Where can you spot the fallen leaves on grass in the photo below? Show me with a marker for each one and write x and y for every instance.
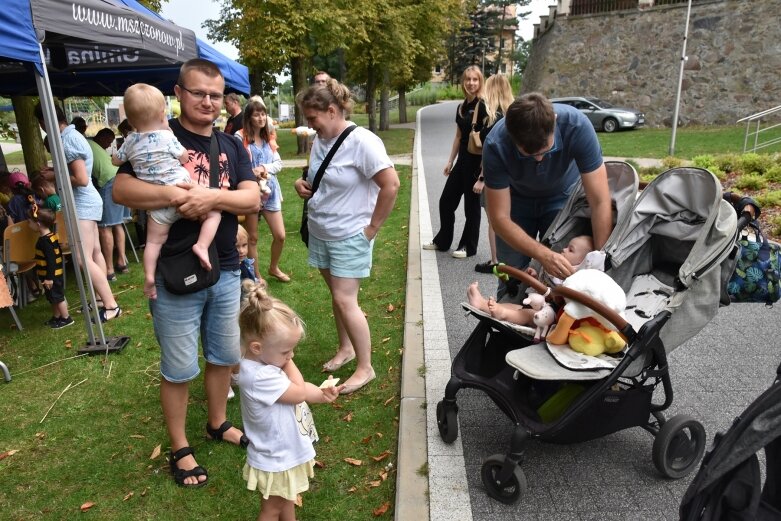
(389, 400)
(353, 461)
(128, 496)
(367, 439)
(381, 509)
(68, 344)
(386, 339)
(138, 436)
(348, 417)
(319, 464)
(86, 506)
(155, 452)
(7, 453)
(381, 456)
(375, 484)
(391, 308)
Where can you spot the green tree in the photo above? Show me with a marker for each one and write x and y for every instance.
(275, 36)
(154, 5)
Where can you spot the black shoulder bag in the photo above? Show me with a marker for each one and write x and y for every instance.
(181, 270)
(304, 230)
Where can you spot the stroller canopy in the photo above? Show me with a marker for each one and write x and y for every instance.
(679, 230)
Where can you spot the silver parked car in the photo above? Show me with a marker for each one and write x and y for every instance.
(603, 115)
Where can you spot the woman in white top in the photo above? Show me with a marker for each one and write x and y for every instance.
(355, 196)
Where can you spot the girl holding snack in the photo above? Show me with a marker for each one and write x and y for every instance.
(158, 157)
(274, 396)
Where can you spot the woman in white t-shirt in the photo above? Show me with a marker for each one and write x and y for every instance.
(274, 396)
(355, 196)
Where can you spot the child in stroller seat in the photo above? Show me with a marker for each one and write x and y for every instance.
(575, 253)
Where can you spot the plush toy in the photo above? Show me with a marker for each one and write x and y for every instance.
(304, 131)
(596, 285)
(534, 301)
(543, 318)
(593, 340)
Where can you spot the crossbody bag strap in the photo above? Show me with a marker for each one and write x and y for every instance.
(329, 156)
(214, 161)
(474, 114)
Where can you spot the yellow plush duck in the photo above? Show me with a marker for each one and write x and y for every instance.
(597, 285)
(593, 340)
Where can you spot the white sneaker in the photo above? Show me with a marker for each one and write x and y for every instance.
(231, 394)
(430, 246)
(459, 254)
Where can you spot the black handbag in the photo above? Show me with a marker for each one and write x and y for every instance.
(180, 269)
(304, 229)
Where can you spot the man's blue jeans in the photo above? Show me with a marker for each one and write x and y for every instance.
(534, 215)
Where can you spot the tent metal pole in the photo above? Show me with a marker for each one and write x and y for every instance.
(68, 203)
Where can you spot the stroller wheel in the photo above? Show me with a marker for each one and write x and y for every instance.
(447, 421)
(678, 446)
(509, 491)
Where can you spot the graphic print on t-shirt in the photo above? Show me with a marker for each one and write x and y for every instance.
(198, 167)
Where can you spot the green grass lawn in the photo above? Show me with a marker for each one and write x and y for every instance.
(97, 442)
(689, 142)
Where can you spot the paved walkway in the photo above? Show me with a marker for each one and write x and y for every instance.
(715, 375)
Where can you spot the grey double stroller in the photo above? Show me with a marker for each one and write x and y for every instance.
(671, 250)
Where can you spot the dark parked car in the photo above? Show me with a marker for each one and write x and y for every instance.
(603, 115)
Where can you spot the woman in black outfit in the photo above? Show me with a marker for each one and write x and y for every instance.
(462, 175)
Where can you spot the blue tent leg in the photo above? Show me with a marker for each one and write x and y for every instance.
(6, 374)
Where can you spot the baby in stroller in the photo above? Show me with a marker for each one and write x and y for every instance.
(575, 252)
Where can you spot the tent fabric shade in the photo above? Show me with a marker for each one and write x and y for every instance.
(114, 26)
(98, 48)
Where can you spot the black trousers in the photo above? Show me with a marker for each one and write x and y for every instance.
(459, 184)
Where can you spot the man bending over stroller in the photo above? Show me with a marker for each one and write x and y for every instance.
(575, 253)
(531, 160)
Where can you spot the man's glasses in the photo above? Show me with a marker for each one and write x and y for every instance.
(214, 97)
(545, 153)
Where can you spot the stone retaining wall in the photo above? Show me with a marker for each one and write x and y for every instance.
(632, 58)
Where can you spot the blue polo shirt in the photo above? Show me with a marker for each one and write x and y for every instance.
(576, 151)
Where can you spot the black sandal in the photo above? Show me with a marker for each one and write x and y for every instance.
(216, 434)
(180, 474)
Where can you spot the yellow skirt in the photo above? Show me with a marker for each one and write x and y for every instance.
(287, 484)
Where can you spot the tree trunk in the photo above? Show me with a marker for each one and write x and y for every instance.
(342, 64)
(402, 105)
(29, 133)
(384, 95)
(298, 67)
(371, 86)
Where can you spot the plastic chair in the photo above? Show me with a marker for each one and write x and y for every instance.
(19, 254)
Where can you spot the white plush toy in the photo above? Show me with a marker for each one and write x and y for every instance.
(543, 318)
(597, 285)
(534, 301)
(304, 131)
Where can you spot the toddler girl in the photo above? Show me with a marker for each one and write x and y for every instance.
(157, 157)
(277, 420)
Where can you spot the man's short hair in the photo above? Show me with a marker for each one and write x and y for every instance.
(198, 64)
(530, 121)
(57, 109)
(104, 135)
(232, 96)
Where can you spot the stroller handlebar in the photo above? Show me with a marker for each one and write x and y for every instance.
(610, 315)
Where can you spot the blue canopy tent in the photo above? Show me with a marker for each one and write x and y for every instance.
(99, 48)
(93, 47)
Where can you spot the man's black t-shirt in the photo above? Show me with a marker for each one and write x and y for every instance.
(235, 167)
(234, 123)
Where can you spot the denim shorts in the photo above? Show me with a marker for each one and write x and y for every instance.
(349, 258)
(113, 213)
(274, 201)
(211, 314)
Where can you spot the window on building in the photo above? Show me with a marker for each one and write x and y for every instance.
(438, 69)
(504, 68)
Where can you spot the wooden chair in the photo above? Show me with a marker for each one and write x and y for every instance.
(19, 254)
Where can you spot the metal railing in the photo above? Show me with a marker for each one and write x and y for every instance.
(580, 7)
(759, 132)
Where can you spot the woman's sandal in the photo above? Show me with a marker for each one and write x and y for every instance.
(103, 313)
(121, 268)
(216, 434)
(180, 474)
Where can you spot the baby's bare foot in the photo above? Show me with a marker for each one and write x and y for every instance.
(150, 290)
(476, 299)
(203, 256)
(497, 310)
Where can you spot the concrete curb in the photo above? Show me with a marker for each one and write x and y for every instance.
(411, 481)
